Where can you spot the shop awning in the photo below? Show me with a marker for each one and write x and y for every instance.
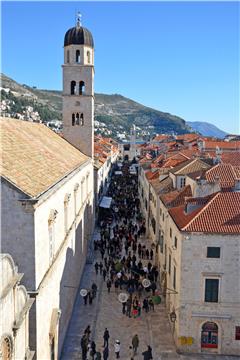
(105, 202)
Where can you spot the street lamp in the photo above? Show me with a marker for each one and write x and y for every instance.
(173, 316)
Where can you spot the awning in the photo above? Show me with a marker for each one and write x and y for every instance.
(118, 172)
(105, 202)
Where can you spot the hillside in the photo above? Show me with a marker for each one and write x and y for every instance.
(114, 114)
(207, 129)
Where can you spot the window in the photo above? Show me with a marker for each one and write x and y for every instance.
(81, 87)
(175, 242)
(78, 58)
(73, 119)
(160, 211)
(77, 119)
(146, 204)
(81, 120)
(88, 57)
(211, 290)
(68, 57)
(182, 182)
(161, 242)
(174, 277)
(213, 252)
(73, 87)
(237, 333)
(163, 217)
(169, 264)
(170, 232)
(153, 222)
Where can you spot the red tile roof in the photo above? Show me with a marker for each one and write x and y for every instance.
(232, 158)
(176, 197)
(224, 145)
(224, 172)
(220, 215)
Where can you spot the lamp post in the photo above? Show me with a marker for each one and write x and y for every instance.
(173, 318)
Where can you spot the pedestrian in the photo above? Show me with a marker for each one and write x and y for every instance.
(104, 274)
(129, 307)
(96, 267)
(135, 343)
(105, 353)
(109, 284)
(93, 349)
(101, 267)
(106, 337)
(90, 297)
(151, 254)
(145, 305)
(124, 307)
(87, 332)
(147, 355)
(117, 348)
(84, 346)
(151, 304)
(85, 299)
(94, 290)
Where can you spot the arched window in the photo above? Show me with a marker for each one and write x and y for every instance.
(77, 119)
(78, 58)
(209, 335)
(81, 88)
(68, 56)
(51, 233)
(73, 87)
(88, 57)
(81, 120)
(73, 119)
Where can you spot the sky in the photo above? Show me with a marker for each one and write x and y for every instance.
(177, 57)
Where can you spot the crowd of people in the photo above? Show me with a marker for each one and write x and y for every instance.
(127, 263)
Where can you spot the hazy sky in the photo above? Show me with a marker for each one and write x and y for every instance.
(178, 57)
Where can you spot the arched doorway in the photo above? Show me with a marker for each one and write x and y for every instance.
(209, 336)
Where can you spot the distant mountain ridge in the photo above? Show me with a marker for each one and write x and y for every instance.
(114, 114)
(207, 129)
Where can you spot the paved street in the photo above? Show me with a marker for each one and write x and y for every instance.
(153, 328)
(106, 311)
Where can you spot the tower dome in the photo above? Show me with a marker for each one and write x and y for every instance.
(78, 35)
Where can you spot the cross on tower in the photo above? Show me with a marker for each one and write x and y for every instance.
(79, 19)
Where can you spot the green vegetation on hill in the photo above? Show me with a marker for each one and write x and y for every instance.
(117, 112)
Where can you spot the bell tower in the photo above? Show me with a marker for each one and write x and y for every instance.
(78, 90)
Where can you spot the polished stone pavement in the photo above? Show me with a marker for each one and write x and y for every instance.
(106, 311)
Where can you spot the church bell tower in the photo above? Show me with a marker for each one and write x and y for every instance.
(78, 90)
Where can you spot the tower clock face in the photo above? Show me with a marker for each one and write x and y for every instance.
(77, 103)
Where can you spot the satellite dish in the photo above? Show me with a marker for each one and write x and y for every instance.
(122, 297)
(146, 283)
(83, 292)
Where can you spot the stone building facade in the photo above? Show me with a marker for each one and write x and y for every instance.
(15, 304)
(47, 221)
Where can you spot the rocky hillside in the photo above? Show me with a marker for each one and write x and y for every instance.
(114, 114)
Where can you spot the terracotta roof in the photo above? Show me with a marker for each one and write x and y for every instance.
(224, 172)
(221, 215)
(232, 158)
(152, 174)
(188, 137)
(224, 145)
(190, 166)
(176, 197)
(34, 157)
